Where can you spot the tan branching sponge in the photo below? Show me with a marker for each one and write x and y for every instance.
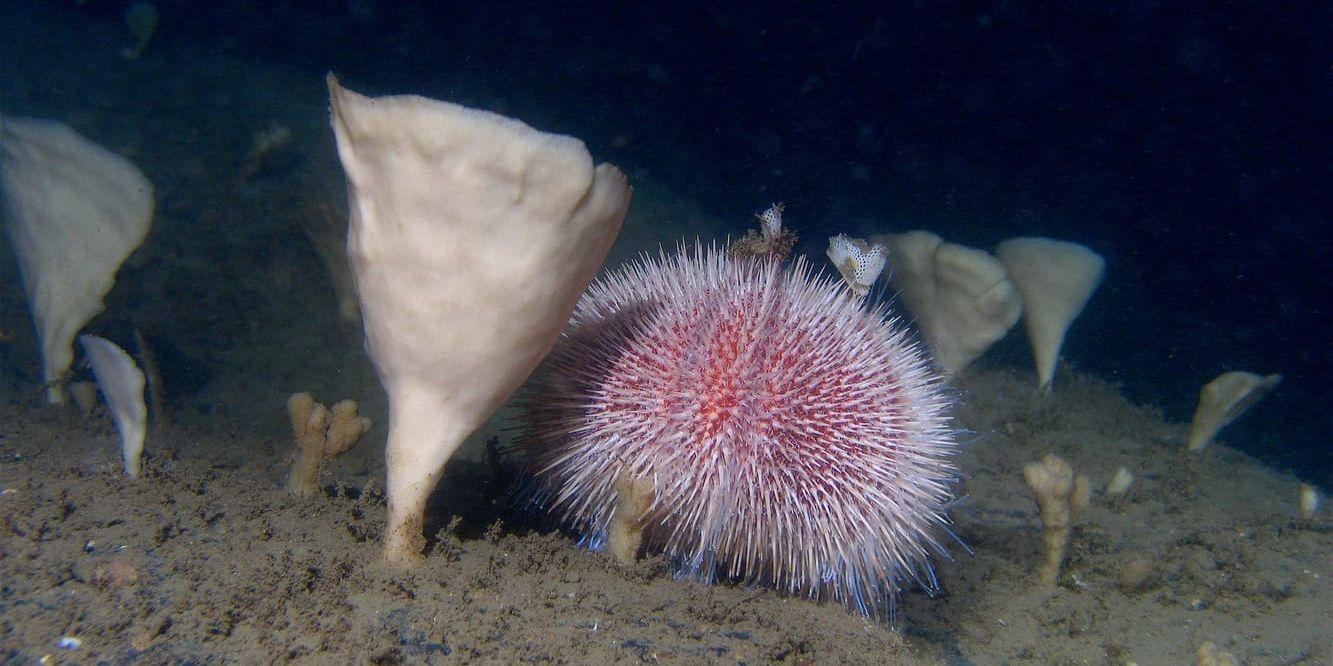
(321, 435)
(1062, 496)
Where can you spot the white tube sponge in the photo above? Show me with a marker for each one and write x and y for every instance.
(74, 212)
(960, 297)
(471, 237)
(1056, 279)
(122, 384)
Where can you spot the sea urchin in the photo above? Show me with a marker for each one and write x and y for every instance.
(789, 436)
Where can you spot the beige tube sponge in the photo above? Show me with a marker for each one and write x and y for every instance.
(122, 385)
(960, 297)
(1056, 279)
(1223, 400)
(74, 212)
(634, 498)
(1061, 497)
(471, 238)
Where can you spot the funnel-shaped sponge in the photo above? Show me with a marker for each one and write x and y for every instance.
(960, 297)
(472, 236)
(1056, 279)
(1224, 399)
(74, 212)
(121, 382)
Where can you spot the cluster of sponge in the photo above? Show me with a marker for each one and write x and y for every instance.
(964, 300)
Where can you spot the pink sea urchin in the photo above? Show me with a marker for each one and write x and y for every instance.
(792, 437)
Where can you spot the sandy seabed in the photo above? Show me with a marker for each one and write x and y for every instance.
(206, 559)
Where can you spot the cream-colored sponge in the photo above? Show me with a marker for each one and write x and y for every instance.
(471, 237)
(74, 212)
(122, 384)
(1056, 279)
(1224, 399)
(960, 297)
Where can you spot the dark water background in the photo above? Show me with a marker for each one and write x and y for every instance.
(1189, 143)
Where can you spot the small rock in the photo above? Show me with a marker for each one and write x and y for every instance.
(1137, 575)
(114, 575)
